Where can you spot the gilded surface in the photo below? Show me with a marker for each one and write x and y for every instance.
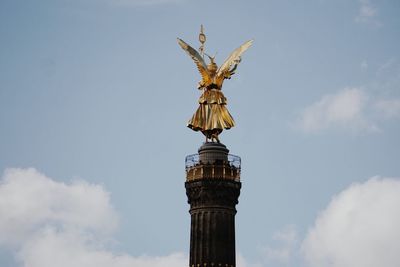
(212, 116)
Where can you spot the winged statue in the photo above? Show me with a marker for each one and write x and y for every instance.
(212, 116)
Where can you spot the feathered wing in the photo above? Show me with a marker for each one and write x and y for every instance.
(201, 65)
(230, 64)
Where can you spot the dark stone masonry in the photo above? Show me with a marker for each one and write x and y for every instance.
(213, 188)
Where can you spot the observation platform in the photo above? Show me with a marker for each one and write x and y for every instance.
(213, 162)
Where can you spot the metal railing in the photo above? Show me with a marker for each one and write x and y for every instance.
(194, 159)
(195, 169)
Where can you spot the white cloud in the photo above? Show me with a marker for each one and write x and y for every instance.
(367, 13)
(343, 111)
(65, 249)
(29, 200)
(286, 241)
(360, 227)
(49, 223)
(348, 110)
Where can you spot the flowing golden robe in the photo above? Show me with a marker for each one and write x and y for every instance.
(212, 116)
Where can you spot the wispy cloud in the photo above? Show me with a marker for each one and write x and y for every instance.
(367, 13)
(285, 246)
(391, 65)
(388, 108)
(350, 110)
(360, 227)
(344, 111)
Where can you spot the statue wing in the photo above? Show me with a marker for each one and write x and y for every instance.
(201, 65)
(227, 69)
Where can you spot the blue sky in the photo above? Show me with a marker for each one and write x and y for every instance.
(95, 96)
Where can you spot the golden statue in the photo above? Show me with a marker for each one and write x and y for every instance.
(212, 116)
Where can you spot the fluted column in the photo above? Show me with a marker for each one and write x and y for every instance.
(212, 197)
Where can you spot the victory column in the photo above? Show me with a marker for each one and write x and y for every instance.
(212, 176)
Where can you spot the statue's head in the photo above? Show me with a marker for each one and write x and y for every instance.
(212, 66)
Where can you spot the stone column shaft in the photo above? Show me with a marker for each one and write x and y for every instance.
(212, 198)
